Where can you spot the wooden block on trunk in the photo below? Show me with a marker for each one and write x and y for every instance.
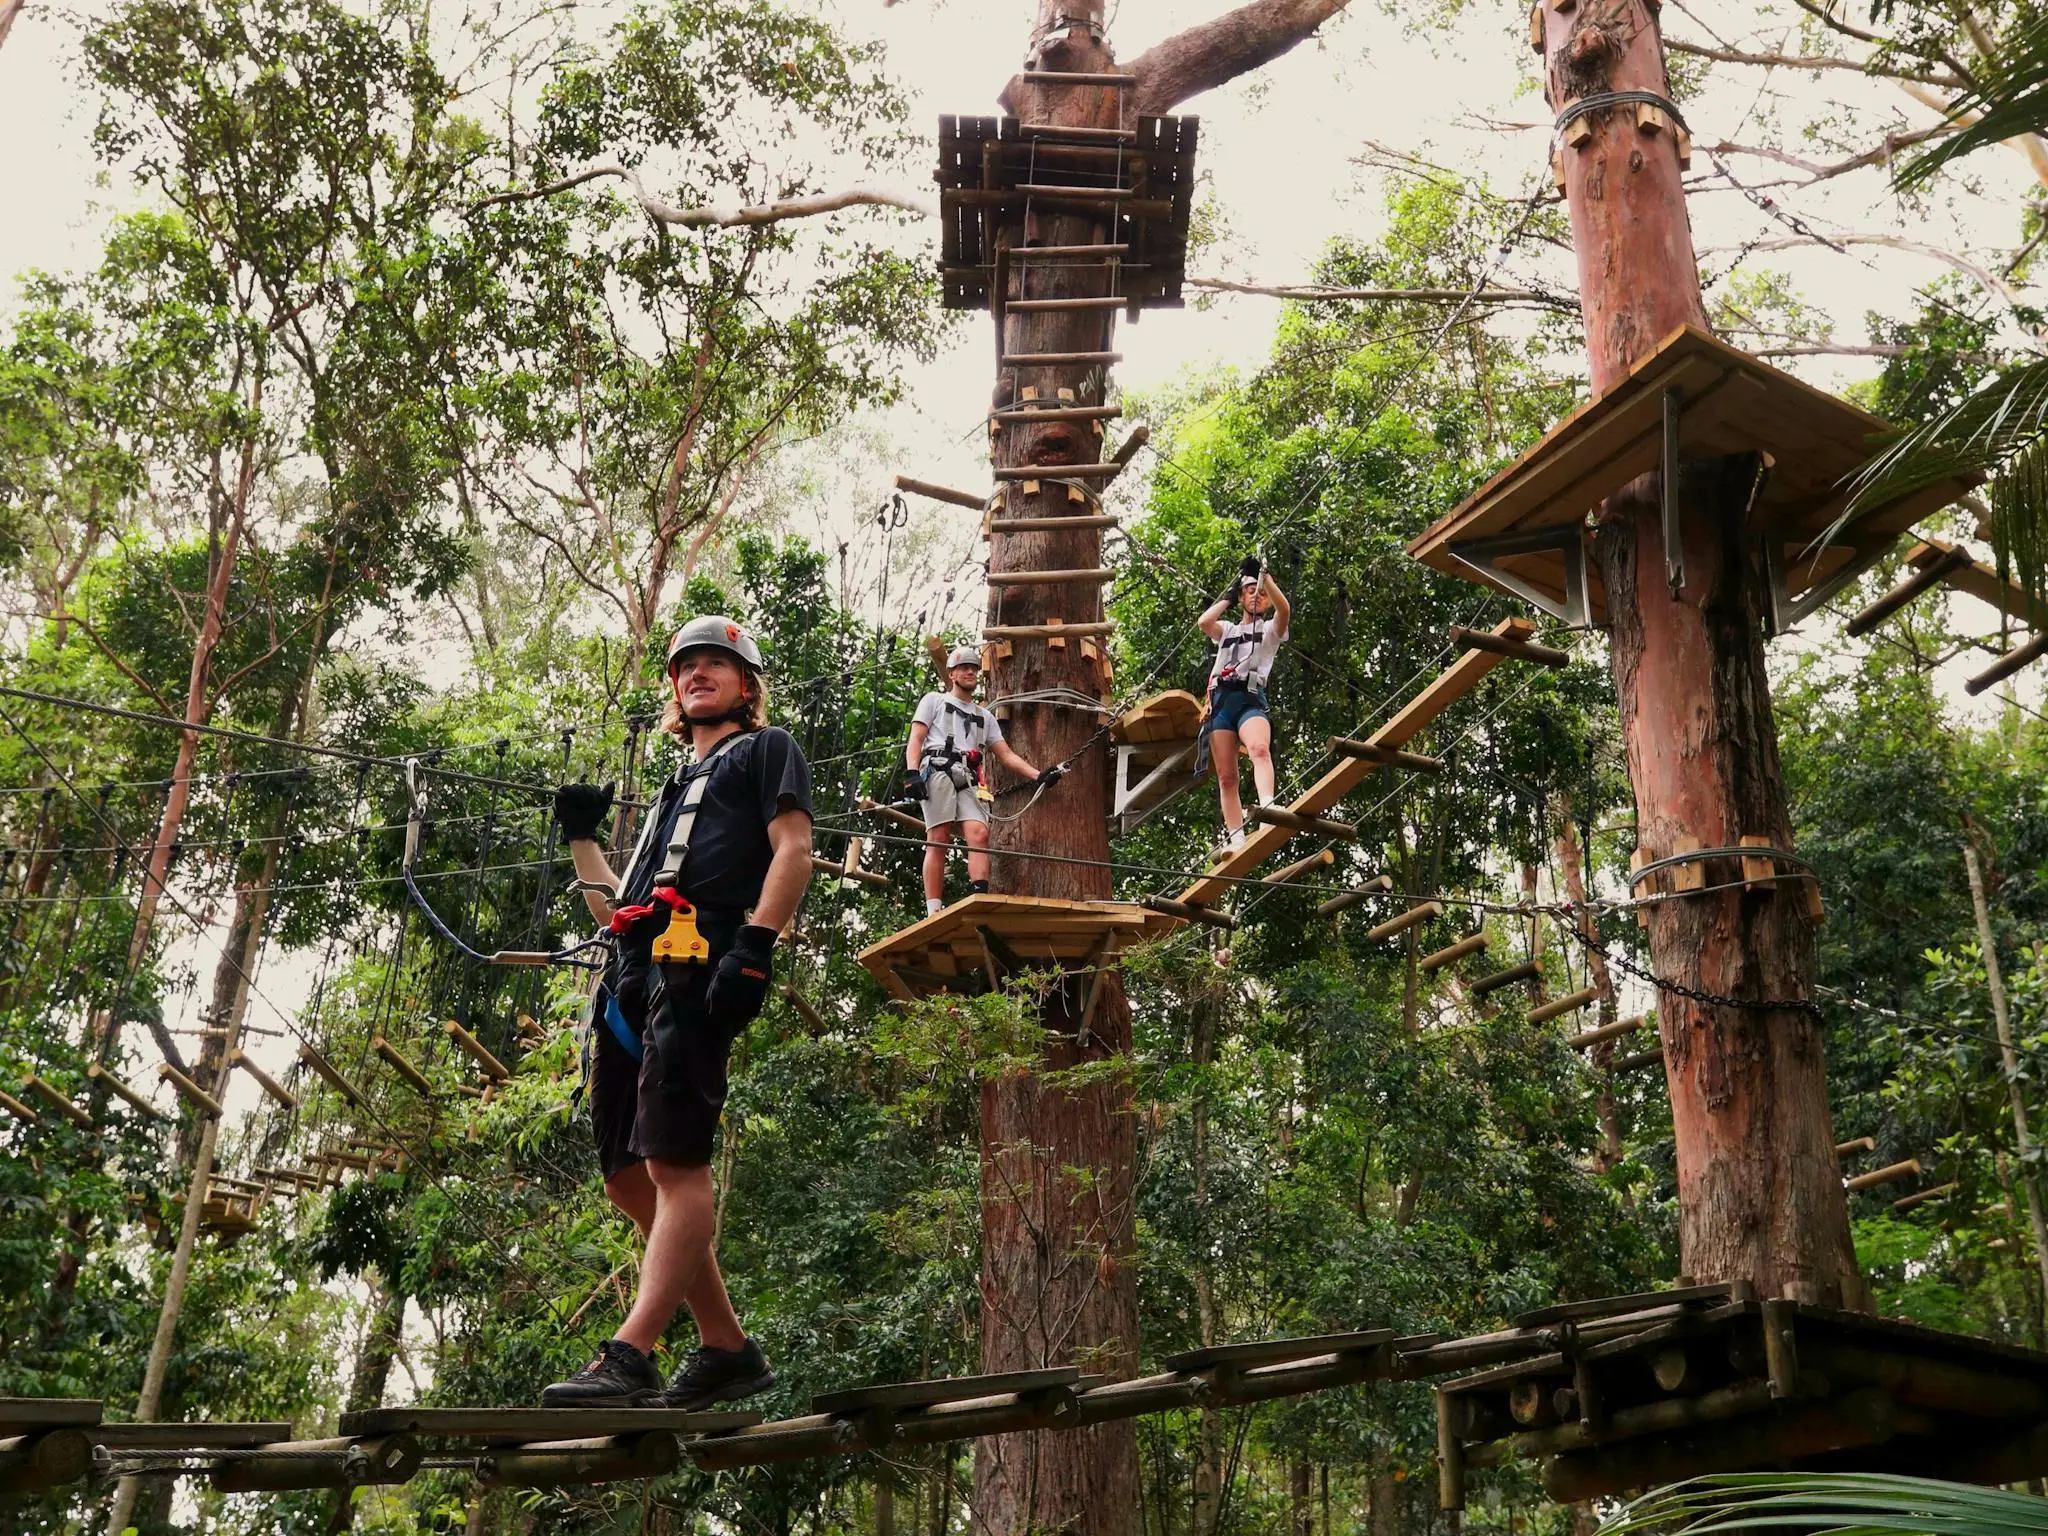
(1757, 871)
(1688, 877)
(1636, 861)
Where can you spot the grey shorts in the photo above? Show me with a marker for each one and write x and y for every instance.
(945, 801)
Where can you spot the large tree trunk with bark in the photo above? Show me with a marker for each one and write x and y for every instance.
(1760, 1195)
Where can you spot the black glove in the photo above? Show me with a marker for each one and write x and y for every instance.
(917, 783)
(739, 982)
(580, 809)
(1249, 571)
(1051, 776)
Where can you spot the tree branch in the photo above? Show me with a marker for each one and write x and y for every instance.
(1982, 275)
(1881, 153)
(1946, 81)
(1315, 292)
(1217, 52)
(721, 218)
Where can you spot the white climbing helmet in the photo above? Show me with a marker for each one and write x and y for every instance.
(719, 633)
(963, 656)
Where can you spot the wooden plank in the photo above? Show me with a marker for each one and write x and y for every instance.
(956, 1389)
(1616, 1306)
(516, 1425)
(19, 1413)
(180, 1436)
(1980, 581)
(1459, 679)
(1571, 1002)
(1275, 1351)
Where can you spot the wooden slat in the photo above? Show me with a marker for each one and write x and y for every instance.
(514, 1425)
(1981, 582)
(1459, 679)
(922, 1394)
(1276, 1351)
(18, 1413)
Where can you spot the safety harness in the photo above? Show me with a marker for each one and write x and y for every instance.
(1227, 675)
(680, 942)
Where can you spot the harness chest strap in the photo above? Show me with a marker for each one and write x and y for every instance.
(680, 942)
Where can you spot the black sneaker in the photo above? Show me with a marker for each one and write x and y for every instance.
(620, 1377)
(713, 1376)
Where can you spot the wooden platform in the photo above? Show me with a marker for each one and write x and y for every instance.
(950, 951)
(1730, 402)
(1738, 1385)
(517, 1426)
(1459, 679)
(1144, 193)
(1155, 757)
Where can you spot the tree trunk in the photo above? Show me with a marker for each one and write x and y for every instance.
(1760, 1195)
(1058, 1164)
(1209, 1438)
(1301, 1505)
(378, 1349)
(1571, 868)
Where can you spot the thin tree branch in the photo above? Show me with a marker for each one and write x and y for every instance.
(1816, 170)
(1310, 291)
(711, 217)
(1871, 67)
(68, 616)
(1980, 274)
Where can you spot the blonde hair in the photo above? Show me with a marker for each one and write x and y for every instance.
(673, 722)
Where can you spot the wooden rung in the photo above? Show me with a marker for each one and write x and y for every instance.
(1187, 913)
(1048, 631)
(270, 1085)
(129, 1096)
(1907, 1202)
(813, 1020)
(1502, 645)
(189, 1090)
(1057, 306)
(1077, 133)
(1376, 886)
(1100, 573)
(1927, 576)
(396, 1060)
(330, 1075)
(1640, 1059)
(1026, 255)
(55, 1097)
(1299, 867)
(1571, 1002)
(1528, 970)
(839, 871)
(19, 1110)
(1890, 1174)
(1060, 360)
(1393, 757)
(998, 525)
(1860, 1144)
(895, 815)
(941, 493)
(493, 1068)
(1017, 418)
(1295, 821)
(1060, 77)
(1406, 920)
(1605, 1032)
(1453, 953)
(2008, 664)
(1028, 472)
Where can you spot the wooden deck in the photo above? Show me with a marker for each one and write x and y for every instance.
(956, 949)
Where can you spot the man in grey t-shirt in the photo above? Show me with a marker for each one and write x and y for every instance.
(951, 740)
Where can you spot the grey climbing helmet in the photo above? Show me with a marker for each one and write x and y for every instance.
(718, 633)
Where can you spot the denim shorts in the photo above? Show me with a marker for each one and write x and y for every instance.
(1234, 706)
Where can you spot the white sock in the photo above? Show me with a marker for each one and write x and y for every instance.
(933, 906)
(1269, 801)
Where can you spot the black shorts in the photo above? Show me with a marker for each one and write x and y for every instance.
(683, 1075)
(615, 1083)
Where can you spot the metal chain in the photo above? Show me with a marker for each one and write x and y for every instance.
(1679, 989)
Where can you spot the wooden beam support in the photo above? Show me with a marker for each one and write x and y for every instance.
(942, 493)
(129, 1096)
(329, 1074)
(1378, 885)
(1571, 1002)
(494, 1069)
(1057, 77)
(1080, 134)
(1054, 306)
(1528, 970)
(1049, 631)
(341, 1462)
(1501, 645)
(1929, 575)
(996, 525)
(895, 815)
(1018, 416)
(1639, 1059)
(1891, 1173)
(600, 1459)
(1406, 920)
(1452, 954)
(1187, 912)
(1027, 255)
(1386, 757)
(839, 871)
(1297, 821)
(56, 1098)
(19, 1110)
(1860, 1144)
(1907, 1202)
(1101, 470)
(1127, 450)
(1605, 1032)
(1061, 359)
(205, 1102)
(2011, 662)
(1321, 858)
(396, 1060)
(240, 1059)
(813, 1020)
(1096, 574)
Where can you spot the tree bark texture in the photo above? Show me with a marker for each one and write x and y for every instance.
(1058, 1164)
(1760, 1196)
(1571, 870)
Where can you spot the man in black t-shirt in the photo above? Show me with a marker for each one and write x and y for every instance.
(722, 861)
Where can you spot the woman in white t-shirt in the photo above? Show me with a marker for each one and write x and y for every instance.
(1237, 716)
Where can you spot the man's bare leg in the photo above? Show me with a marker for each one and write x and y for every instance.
(975, 834)
(1258, 745)
(631, 1191)
(938, 842)
(678, 1255)
(1223, 758)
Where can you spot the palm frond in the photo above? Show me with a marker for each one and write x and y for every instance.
(1831, 1504)
(2009, 98)
(2001, 431)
